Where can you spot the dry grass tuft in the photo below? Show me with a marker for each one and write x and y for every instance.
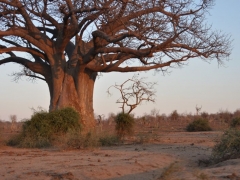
(169, 171)
(202, 176)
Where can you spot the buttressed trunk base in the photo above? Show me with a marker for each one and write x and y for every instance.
(79, 95)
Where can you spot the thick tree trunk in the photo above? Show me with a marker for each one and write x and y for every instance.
(76, 93)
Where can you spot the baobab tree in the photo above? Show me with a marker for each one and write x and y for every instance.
(68, 42)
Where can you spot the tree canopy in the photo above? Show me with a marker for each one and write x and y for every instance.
(109, 35)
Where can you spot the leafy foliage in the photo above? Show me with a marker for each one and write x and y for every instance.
(199, 124)
(124, 124)
(228, 147)
(43, 128)
(235, 122)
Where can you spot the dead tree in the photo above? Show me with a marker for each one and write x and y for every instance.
(100, 121)
(133, 92)
(198, 109)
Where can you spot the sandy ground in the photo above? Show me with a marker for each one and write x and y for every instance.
(171, 155)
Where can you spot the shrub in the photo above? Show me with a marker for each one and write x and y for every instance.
(204, 115)
(174, 115)
(43, 128)
(108, 140)
(235, 122)
(226, 116)
(228, 147)
(237, 113)
(90, 140)
(77, 140)
(199, 124)
(124, 124)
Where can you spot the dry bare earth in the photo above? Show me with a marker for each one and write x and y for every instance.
(172, 155)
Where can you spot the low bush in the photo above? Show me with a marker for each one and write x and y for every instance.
(235, 122)
(199, 124)
(43, 128)
(228, 146)
(124, 124)
(78, 140)
(108, 140)
(75, 140)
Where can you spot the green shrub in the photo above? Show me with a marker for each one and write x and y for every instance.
(124, 124)
(228, 147)
(235, 122)
(43, 128)
(199, 124)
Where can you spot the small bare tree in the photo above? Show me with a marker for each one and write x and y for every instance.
(198, 109)
(13, 122)
(133, 92)
(100, 123)
(155, 112)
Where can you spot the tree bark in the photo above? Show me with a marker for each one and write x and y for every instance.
(77, 92)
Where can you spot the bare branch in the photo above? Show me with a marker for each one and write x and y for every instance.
(26, 73)
(36, 67)
(133, 92)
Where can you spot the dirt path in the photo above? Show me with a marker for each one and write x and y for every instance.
(172, 155)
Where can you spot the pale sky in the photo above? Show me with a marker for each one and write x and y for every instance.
(213, 87)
